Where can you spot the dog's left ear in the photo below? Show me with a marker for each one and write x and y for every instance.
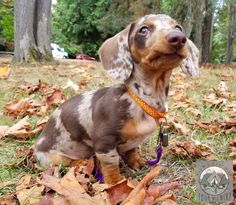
(190, 65)
(115, 55)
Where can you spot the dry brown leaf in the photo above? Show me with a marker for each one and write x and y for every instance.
(22, 107)
(138, 199)
(71, 85)
(71, 189)
(228, 125)
(180, 128)
(119, 192)
(26, 193)
(8, 199)
(142, 184)
(232, 148)
(157, 190)
(222, 90)
(168, 202)
(213, 100)
(166, 197)
(3, 130)
(191, 149)
(34, 88)
(20, 129)
(194, 111)
(54, 96)
(50, 199)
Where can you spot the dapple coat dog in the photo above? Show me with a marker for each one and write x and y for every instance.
(108, 121)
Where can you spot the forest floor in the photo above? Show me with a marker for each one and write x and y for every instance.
(201, 119)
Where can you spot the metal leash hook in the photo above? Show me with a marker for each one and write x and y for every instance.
(163, 134)
(162, 140)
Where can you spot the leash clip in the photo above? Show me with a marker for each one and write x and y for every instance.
(163, 135)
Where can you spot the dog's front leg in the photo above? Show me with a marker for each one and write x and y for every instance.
(133, 159)
(109, 163)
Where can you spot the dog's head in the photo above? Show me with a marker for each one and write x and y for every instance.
(154, 42)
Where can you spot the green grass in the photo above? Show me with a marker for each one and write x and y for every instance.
(173, 167)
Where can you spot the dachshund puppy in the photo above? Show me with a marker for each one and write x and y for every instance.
(108, 121)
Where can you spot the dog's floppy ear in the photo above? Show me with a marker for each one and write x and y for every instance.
(115, 55)
(190, 65)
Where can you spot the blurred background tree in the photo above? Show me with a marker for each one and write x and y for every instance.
(82, 25)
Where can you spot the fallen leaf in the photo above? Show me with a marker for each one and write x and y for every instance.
(138, 199)
(168, 202)
(4, 72)
(142, 184)
(222, 91)
(157, 190)
(3, 130)
(180, 128)
(191, 149)
(71, 189)
(8, 199)
(119, 192)
(22, 107)
(28, 194)
(54, 96)
(20, 129)
(71, 85)
(232, 148)
(30, 89)
(50, 199)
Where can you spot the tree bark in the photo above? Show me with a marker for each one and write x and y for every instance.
(207, 31)
(231, 32)
(43, 28)
(184, 15)
(198, 19)
(32, 30)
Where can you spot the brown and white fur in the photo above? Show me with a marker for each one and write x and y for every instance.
(107, 121)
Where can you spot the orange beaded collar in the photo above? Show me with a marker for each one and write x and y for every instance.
(147, 108)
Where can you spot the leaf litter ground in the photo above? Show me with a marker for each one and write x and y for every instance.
(201, 123)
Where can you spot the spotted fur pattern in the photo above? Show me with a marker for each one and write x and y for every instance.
(107, 122)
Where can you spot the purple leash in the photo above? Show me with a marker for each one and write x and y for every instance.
(162, 140)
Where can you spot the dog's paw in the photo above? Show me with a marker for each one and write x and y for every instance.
(136, 162)
(113, 179)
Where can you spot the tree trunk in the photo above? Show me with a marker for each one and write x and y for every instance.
(231, 32)
(198, 19)
(184, 15)
(188, 20)
(43, 29)
(32, 30)
(207, 31)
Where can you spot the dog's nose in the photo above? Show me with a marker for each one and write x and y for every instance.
(176, 39)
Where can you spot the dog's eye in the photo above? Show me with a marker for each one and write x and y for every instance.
(178, 27)
(144, 30)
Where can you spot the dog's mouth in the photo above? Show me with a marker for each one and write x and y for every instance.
(167, 57)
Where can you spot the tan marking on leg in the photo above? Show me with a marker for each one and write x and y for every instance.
(111, 173)
(133, 159)
(109, 163)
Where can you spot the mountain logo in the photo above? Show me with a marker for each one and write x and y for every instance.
(214, 180)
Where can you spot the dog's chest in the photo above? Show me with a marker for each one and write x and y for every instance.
(135, 132)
